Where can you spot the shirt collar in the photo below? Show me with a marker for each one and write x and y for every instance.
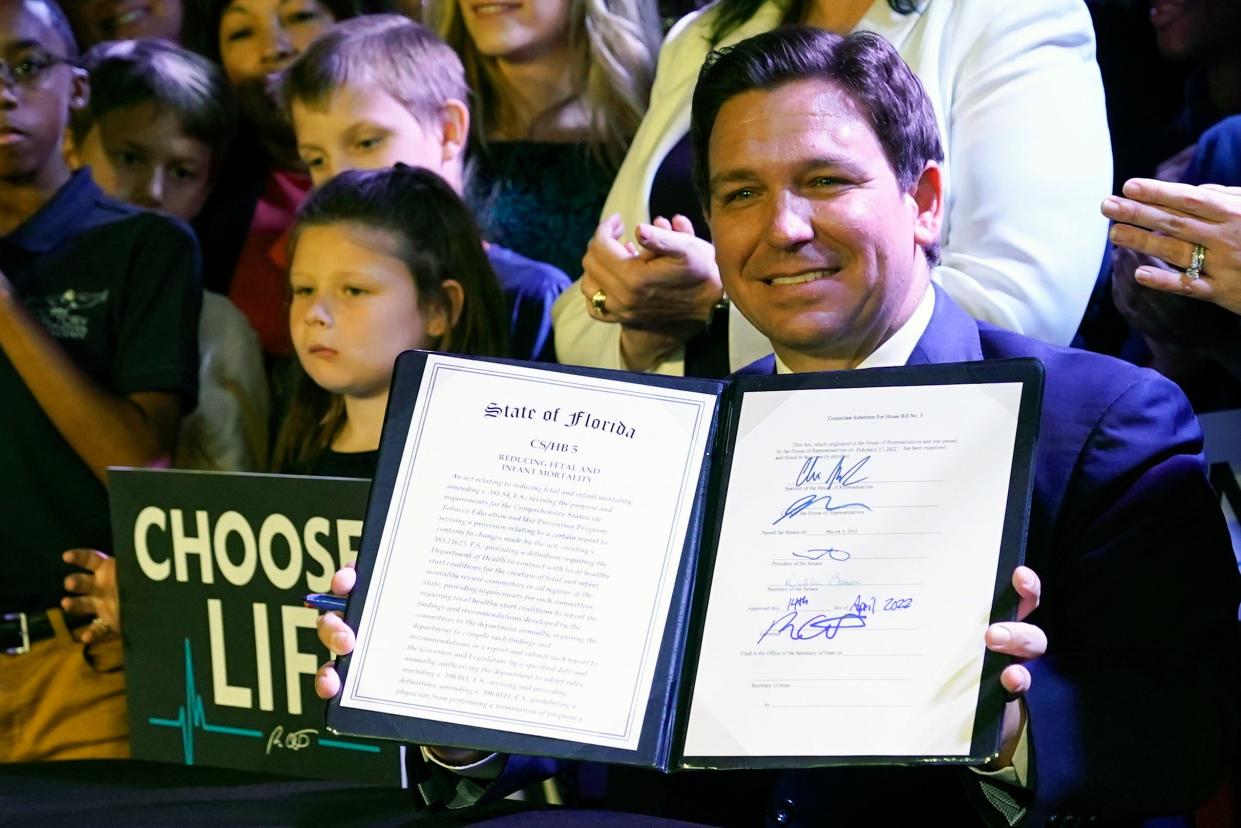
(60, 217)
(897, 348)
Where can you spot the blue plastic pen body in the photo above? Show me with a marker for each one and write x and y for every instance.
(326, 603)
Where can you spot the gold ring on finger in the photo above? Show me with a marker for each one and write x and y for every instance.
(1196, 259)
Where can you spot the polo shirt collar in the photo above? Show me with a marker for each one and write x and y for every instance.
(60, 217)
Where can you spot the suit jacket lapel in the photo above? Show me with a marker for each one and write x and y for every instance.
(950, 336)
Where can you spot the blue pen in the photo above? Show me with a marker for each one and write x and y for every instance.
(326, 603)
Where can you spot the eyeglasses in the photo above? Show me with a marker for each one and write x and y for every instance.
(29, 71)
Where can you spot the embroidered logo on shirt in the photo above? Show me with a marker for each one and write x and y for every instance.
(62, 314)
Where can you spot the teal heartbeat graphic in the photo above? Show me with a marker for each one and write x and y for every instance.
(191, 716)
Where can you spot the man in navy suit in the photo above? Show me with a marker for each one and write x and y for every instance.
(818, 162)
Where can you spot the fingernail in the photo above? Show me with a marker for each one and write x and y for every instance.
(1143, 275)
(1000, 636)
(1027, 582)
(1110, 203)
(1113, 233)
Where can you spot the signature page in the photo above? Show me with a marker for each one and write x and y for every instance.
(524, 574)
(855, 572)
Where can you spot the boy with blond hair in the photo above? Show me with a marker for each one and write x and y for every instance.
(380, 90)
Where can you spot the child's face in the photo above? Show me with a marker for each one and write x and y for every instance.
(140, 154)
(355, 308)
(260, 37)
(364, 129)
(36, 91)
(519, 31)
(98, 20)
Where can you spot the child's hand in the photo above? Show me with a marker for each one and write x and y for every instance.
(93, 592)
(335, 635)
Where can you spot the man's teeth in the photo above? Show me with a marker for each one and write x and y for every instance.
(801, 278)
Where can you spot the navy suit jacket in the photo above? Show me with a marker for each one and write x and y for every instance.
(1132, 711)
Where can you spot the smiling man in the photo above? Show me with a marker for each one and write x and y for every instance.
(817, 159)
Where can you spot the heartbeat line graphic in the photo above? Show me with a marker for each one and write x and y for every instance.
(191, 717)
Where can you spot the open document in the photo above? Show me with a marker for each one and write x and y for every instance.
(777, 571)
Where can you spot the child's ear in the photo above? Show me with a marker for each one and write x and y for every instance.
(79, 92)
(454, 129)
(443, 317)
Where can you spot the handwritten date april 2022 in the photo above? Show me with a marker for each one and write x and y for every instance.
(820, 625)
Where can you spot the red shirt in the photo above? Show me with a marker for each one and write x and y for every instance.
(260, 287)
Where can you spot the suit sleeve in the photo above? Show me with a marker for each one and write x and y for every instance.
(1133, 709)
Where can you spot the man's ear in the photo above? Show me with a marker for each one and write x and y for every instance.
(442, 317)
(454, 129)
(927, 195)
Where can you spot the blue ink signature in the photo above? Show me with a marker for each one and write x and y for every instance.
(803, 503)
(839, 475)
(839, 555)
(818, 625)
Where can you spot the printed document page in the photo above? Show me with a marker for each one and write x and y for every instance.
(855, 572)
(525, 571)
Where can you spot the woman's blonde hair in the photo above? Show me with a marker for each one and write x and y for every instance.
(614, 44)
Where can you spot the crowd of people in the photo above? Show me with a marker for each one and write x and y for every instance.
(221, 221)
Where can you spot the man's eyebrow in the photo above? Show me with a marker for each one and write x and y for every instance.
(729, 177)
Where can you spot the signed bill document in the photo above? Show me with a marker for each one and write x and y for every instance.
(774, 571)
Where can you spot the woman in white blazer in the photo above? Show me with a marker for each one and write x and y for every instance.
(1019, 101)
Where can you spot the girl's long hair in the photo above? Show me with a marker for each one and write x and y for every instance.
(437, 239)
(614, 45)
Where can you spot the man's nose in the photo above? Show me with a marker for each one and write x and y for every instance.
(789, 223)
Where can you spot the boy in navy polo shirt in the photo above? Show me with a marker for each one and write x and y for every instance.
(99, 308)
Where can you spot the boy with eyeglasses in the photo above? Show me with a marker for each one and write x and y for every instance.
(99, 308)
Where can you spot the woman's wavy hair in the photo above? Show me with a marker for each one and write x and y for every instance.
(732, 13)
(615, 44)
(437, 239)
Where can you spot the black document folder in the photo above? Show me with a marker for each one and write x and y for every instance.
(474, 708)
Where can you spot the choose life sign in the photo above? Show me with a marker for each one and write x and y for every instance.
(220, 653)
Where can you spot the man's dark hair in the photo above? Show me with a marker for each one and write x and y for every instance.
(864, 64)
(127, 73)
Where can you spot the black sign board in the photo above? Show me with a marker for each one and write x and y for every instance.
(220, 653)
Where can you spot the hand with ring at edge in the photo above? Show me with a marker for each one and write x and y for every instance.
(1197, 228)
(93, 592)
(661, 290)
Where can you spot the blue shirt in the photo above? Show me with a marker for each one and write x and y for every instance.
(118, 289)
(530, 289)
